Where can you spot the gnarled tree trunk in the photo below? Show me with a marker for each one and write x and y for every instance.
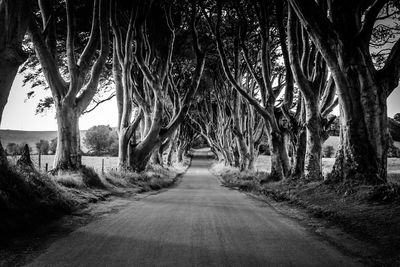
(280, 165)
(10, 60)
(171, 148)
(68, 155)
(313, 157)
(342, 33)
(14, 18)
(362, 154)
(3, 157)
(299, 154)
(8, 70)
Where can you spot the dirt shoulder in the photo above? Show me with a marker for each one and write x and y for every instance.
(362, 221)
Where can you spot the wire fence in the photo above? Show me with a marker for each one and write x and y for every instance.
(45, 162)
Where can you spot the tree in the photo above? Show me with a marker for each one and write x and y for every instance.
(53, 145)
(342, 32)
(12, 149)
(394, 129)
(317, 91)
(43, 147)
(73, 96)
(16, 149)
(145, 56)
(230, 125)
(186, 136)
(396, 117)
(252, 26)
(99, 139)
(14, 18)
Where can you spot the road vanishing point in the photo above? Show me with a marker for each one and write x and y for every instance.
(197, 223)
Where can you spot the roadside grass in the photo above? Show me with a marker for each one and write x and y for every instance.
(29, 198)
(370, 213)
(155, 177)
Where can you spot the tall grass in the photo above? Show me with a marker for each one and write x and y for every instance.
(30, 197)
(155, 177)
(27, 197)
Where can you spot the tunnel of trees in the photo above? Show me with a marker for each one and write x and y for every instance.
(235, 73)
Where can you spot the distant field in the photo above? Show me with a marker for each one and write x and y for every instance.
(94, 162)
(31, 137)
(263, 163)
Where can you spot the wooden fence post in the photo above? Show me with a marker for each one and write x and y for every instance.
(40, 159)
(102, 166)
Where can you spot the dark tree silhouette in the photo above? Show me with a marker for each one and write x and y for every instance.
(342, 32)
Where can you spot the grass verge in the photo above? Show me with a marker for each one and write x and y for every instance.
(155, 177)
(30, 199)
(371, 214)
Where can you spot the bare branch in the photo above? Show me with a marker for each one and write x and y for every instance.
(97, 103)
(91, 88)
(49, 65)
(91, 45)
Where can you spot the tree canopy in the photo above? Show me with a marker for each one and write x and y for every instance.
(234, 72)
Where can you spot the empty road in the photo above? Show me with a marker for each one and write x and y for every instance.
(197, 223)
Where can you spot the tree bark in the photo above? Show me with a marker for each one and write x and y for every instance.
(362, 155)
(179, 153)
(123, 143)
(313, 158)
(68, 155)
(280, 165)
(155, 157)
(299, 154)
(3, 157)
(8, 70)
(14, 18)
(171, 148)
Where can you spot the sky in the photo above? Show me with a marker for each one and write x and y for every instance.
(19, 113)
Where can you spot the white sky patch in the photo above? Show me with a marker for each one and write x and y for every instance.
(19, 113)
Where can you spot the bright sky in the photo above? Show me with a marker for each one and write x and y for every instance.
(19, 113)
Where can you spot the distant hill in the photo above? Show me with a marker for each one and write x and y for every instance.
(29, 137)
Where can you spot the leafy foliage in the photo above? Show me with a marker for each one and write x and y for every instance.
(43, 147)
(32, 71)
(15, 149)
(53, 145)
(101, 140)
(396, 117)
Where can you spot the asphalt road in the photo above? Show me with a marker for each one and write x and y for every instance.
(197, 223)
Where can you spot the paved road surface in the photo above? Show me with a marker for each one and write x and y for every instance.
(197, 223)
